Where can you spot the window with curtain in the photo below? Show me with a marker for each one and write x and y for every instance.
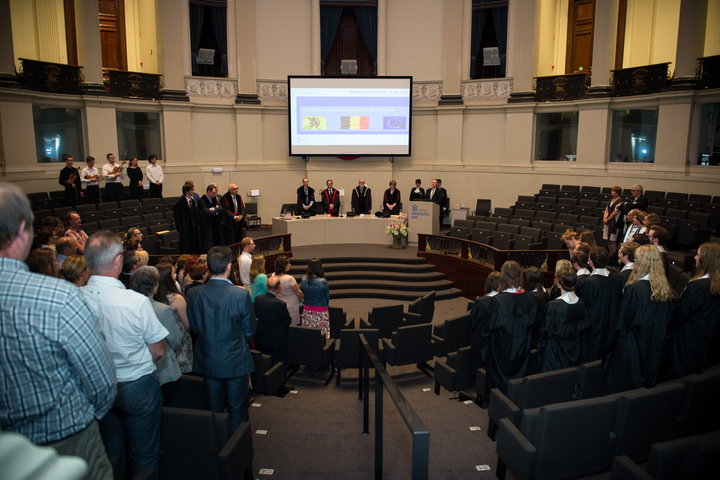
(58, 131)
(633, 135)
(709, 151)
(138, 134)
(208, 38)
(556, 136)
(488, 49)
(348, 31)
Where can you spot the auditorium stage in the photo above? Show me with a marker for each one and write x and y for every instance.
(322, 230)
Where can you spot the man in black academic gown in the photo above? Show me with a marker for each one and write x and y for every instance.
(626, 258)
(437, 194)
(273, 325)
(233, 215)
(187, 220)
(211, 233)
(70, 180)
(361, 198)
(305, 198)
(601, 292)
(330, 200)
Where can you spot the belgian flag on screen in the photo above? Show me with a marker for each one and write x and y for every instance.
(355, 123)
(314, 123)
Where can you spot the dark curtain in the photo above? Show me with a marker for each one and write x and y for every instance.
(219, 22)
(329, 22)
(478, 24)
(367, 23)
(500, 17)
(197, 15)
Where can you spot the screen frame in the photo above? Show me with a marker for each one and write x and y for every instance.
(350, 78)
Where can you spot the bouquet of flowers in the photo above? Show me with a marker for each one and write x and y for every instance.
(397, 229)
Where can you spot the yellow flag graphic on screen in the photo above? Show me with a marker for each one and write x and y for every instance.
(355, 123)
(314, 123)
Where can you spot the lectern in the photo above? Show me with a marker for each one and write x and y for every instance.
(423, 218)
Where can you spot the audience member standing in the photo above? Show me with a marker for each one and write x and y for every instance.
(134, 337)
(223, 318)
(74, 269)
(612, 219)
(187, 220)
(155, 176)
(245, 261)
(695, 339)
(234, 215)
(210, 210)
(480, 321)
(273, 323)
(626, 258)
(73, 222)
(258, 277)
(56, 375)
(644, 316)
(316, 298)
(565, 325)
(113, 175)
(289, 291)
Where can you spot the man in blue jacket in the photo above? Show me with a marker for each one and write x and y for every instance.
(223, 318)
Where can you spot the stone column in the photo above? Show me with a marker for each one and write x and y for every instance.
(452, 52)
(8, 77)
(316, 61)
(604, 42)
(521, 49)
(87, 28)
(245, 26)
(690, 42)
(173, 47)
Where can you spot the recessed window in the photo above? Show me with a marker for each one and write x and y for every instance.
(556, 136)
(633, 135)
(489, 38)
(208, 37)
(57, 131)
(709, 149)
(138, 134)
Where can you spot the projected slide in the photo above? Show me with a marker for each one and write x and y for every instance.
(349, 116)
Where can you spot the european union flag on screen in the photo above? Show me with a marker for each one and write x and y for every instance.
(394, 123)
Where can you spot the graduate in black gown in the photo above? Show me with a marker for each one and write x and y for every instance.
(601, 293)
(555, 290)
(513, 316)
(534, 286)
(391, 199)
(646, 310)
(695, 336)
(626, 260)
(480, 321)
(566, 324)
(417, 192)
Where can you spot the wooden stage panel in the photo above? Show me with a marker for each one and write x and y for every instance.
(322, 230)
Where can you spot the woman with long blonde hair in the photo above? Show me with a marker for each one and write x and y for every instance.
(695, 341)
(646, 311)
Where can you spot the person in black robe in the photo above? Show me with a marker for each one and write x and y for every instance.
(565, 326)
(135, 175)
(480, 321)
(330, 200)
(626, 258)
(211, 233)
(601, 292)
(361, 198)
(391, 199)
(187, 220)
(513, 316)
(70, 180)
(233, 215)
(305, 198)
(695, 337)
(417, 192)
(646, 310)
(581, 265)
(534, 286)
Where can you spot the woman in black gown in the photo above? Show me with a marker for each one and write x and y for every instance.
(391, 199)
(136, 178)
(479, 321)
(695, 339)
(566, 323)
(646, 310)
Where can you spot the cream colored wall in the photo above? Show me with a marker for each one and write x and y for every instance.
(665, 32)
(712, 29)
(414, 41)
(140, 36)
(22, 17)
(284, 42)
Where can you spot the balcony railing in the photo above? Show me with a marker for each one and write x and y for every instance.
(50, 77)
(709, 72)
(640, 80)
(561, 87)
(134, 84)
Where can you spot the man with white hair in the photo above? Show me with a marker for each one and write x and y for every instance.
(361, 198)
(134, 337)
(234, 215)
(56, 375)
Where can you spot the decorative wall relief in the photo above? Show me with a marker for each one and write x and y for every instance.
(426, 94)
(210, 88)
(272, 92)
(493, 90)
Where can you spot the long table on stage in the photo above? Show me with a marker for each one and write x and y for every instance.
(322, 230)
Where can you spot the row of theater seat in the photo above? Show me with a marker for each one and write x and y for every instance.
(56, 198)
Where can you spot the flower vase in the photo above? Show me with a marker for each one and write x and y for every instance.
(397, 241)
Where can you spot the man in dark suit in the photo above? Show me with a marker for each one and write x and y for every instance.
(187, 221)
(70, 180)
(330, 200)
(305, 198)
(233, 218)
(638, 200)
(437, 194)
(211, 233)
(223, 318)
(273, 323)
